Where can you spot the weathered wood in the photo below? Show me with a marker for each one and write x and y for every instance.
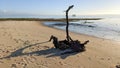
(67, 21)
(74, 45)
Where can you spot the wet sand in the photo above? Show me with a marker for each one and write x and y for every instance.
(23, 44)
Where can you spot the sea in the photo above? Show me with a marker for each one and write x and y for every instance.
(107, 28)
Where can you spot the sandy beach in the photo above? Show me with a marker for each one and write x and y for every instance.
(23, 44)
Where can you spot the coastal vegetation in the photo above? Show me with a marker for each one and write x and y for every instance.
(47, 19)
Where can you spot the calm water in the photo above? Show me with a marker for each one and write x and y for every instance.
(108, 28)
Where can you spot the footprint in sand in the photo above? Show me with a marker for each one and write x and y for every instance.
(15, 40)
(13, 66)
(61, 63)
(102, 58)
(89, 58)
(1, 62)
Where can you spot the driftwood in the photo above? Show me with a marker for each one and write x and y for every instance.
(117, 66)
(67, 21)
(75, 45)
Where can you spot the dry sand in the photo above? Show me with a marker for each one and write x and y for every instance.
(23, 45)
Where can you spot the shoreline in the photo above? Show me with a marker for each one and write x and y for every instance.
(24, 44)
(81, 33)
(47, 19)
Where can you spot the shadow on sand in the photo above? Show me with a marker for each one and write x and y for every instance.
(51, 52)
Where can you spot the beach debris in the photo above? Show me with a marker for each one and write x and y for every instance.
(67, 21)
(68, 43)
(117, 66)
(75, 45)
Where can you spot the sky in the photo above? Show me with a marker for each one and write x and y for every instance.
(58, 7)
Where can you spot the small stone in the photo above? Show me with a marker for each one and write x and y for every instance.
(1, 62)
